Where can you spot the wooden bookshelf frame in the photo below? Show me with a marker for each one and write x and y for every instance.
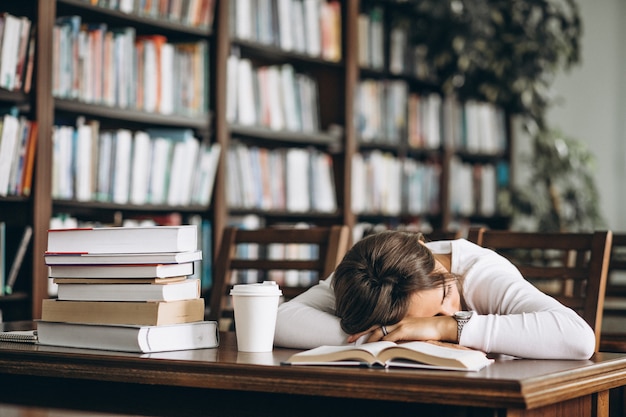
(345, 74)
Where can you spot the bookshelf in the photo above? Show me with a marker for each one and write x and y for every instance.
(324, 130)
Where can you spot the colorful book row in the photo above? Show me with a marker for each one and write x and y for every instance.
(275, 97)
(196, 13)
(310, 27)
(17, 50)
(18, 141)
(155, 166)
(283, 179)
(386, 113)
(115, 67)
(385, 184)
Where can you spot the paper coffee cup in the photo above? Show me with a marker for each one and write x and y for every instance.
(255, 307)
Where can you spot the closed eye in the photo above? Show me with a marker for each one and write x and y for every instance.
(447, 290)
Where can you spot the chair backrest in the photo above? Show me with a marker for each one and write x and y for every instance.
(613, 334)
(271, 253)
(571, 267)
(614, 286)
(443, 235)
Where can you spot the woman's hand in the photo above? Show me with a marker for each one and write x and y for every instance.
(413, 328)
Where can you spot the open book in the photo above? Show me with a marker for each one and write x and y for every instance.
(433, 355)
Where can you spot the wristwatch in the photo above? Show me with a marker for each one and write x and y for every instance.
(461, 318)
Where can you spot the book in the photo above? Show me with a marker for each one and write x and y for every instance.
(143, 339)
(168, 291)
(22, 336)
(147, 313)
(3, 255)
(432, 355)
(122, 258)
(9, 133)
(120, 271)
(118, 280)
(155, 239)
(18, 260)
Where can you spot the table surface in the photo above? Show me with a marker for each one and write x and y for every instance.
(508, 383)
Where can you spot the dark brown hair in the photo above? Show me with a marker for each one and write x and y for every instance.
(374, 281)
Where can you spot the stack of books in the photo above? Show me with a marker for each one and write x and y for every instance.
(125, 289)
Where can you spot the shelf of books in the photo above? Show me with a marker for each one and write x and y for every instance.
(104, 120)
(18, 140)
(132, 137)
(425, 160)
(286, 113)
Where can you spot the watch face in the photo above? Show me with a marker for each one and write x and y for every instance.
(462, 315)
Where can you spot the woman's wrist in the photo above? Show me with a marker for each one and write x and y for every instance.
(448, 329)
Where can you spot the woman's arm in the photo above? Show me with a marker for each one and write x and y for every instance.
(308, 320)
(514, 317)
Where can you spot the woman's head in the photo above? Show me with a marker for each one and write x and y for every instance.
(374, 282)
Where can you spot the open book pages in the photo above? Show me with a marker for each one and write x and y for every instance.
(432, 355)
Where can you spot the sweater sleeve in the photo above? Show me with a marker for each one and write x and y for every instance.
(513, 316)
(309, 320)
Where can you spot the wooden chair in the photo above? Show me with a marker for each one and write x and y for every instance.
(330, 243)
(613, 338)
(571, 267)
(443, 235)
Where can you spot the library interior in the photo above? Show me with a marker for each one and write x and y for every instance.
(156, 153)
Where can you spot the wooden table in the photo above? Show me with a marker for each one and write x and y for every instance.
(224, 382)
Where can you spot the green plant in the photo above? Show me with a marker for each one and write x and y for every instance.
(502, 51)
(560, 193)
(507, 52)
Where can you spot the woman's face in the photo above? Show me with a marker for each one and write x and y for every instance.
(440, 301)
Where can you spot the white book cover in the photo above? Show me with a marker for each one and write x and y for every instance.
(324, 198)
(163, 149)
(123, 239)
(313, 27)
(243, 20)
(232, 94)
(265, 26)
(285, 28)
(105, 156)
(120, 272)
(192, 149)
(170, 291)
(210, 162)
(83, 180)
(287, 81)
(358, 183)
(141, 167)
(246, 112)
(9, 140)
(299, 29)
(123, 158)
(246, 179)
(9, 51)
(298, 197)
(142, 339)
(123, 258)
(150, 81)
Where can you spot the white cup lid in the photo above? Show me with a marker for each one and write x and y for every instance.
(265, 288)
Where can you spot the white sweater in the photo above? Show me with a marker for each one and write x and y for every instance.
(511, 316)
